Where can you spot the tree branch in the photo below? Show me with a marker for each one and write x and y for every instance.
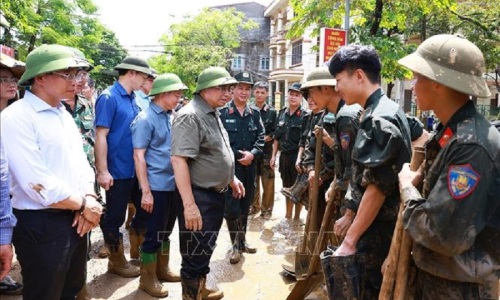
(488, 32)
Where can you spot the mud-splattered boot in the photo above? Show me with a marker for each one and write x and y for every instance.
(149, 281)
(234, 230)
(162, 269)
(118, 264)
(208, 294)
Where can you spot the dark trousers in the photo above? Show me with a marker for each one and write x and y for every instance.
(237, 207)
(287, 168)
(51, 254)
(160, 222)
(117, 198)
(432, 287)
(374, 245)
(197, 247)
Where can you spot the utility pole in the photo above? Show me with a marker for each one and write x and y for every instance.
(347, 20)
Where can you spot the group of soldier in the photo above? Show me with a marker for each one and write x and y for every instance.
(205, 163)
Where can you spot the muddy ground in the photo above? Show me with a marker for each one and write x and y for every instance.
(256, 277)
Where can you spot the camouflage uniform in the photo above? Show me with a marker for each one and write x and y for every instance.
(83, 115)
(264, 171)
(327, 173)
(346, 128)
(456, 222)
(381, 148)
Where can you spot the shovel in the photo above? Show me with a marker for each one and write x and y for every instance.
(312, 279)
(303, 256)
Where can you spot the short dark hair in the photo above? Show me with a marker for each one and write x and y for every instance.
(261, 85)
(354, 56)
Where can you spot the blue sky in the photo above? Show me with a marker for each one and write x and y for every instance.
(143, 22)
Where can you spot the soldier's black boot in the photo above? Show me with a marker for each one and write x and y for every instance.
(344, 275)
(244, 246)
(296, 191)
(234, 229)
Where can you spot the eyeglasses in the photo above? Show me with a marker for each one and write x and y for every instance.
(84, 75)
(70, 77)
(9, 80)
(225, 89)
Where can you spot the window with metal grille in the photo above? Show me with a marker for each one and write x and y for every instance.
(297, 52)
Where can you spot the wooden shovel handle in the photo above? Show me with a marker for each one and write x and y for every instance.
(397, 255)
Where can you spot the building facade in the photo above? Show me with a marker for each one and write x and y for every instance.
(290, 59)
(253, 54)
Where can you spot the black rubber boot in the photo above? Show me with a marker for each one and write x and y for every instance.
(344, 275)
(234, 233)
(243, 232)
(296, 191)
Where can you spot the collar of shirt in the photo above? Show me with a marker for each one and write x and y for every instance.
(339, 107)
(295, 112)
(466, 111)
(122, 90)
(374, 98)
(199, 102)
(247, 111)
(157, 109)
(39, 105)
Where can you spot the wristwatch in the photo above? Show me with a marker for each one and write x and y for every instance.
(82, 207)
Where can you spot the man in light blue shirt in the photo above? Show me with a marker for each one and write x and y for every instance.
(7, 219)
(142, 98)
(151, 135)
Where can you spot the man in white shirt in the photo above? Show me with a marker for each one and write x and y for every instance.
(52, 182)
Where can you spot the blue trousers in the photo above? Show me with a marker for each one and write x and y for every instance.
(160, 222)
(197, 247)
(117, 199)
(51, 254)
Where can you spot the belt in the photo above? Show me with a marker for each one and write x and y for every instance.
(213, 189)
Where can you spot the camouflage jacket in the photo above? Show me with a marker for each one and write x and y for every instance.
(83, 114)
(455, 224)
(382, 146)
(346, 127)
(327, 121)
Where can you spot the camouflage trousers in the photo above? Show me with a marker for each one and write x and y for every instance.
(265, 175)
(432, 287)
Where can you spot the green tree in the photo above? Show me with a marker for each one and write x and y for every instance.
(66, 22)
(387, 24)
(207, 39)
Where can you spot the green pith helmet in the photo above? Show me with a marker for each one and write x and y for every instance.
(319, 77)
(295, 87)
(134, 63)
(452, 61)
(84, 63)
(213, 76)
(167, 83)
(244, 77)
(46, 59)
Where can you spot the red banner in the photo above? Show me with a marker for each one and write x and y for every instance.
(8, 51)
(331, 40)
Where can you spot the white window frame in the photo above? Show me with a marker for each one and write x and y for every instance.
(263, 62)
(238, 62)
(301, 44)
